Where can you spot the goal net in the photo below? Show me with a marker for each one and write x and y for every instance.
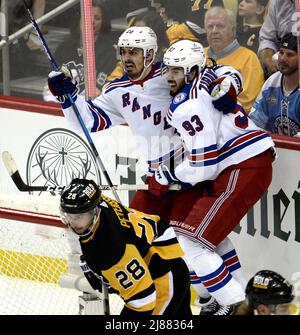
(38, 261)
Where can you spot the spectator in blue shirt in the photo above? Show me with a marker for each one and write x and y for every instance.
(277, 106)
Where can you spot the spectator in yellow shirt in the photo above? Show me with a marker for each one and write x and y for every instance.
(220, 26)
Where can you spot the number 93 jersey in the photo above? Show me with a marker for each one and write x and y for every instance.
(214, 141)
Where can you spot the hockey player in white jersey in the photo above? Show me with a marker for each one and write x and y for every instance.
(140, 99)
(228, 150)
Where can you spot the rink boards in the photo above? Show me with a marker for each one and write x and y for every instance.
(267, 238)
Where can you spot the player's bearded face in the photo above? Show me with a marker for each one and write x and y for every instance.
(176, 79)
(287, 61)
(133, 61)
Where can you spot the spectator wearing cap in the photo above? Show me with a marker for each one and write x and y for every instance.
(277, 106)
(220, 26)
(280, 20)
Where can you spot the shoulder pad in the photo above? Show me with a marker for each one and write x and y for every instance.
(178, 100)
(124, 81)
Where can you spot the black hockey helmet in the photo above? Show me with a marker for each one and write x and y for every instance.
(82, 195)
(268, 288)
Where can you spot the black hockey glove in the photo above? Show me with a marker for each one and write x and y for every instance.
(96, 281)
(93, 280)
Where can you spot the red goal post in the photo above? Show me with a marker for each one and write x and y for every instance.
(33, 258)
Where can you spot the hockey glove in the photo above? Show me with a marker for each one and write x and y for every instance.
(90, 275)
(164, 176)
(157, 189)
(159, 183)
(60, 84)
(224, 94)
(207, 77)
(94, 280)
(162, 179)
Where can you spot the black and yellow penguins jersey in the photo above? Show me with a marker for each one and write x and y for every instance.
(130, 250)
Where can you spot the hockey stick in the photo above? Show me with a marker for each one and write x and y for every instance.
(79, 118)
(75, 109)
(12, 169)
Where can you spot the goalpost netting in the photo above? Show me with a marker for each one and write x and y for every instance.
(38, 259)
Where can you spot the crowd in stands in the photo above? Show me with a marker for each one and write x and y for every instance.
(70, 51)
(245, 34)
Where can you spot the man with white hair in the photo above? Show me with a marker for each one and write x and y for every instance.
(220, 26)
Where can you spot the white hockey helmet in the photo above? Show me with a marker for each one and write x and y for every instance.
(185, 54)
(139, 37)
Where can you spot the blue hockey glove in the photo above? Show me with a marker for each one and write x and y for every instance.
(207, 77)
(224, 94)
(60, 84)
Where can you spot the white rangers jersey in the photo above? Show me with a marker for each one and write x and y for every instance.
(143, 106)
(214, 141)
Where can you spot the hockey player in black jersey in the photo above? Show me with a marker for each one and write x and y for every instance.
(134, 253)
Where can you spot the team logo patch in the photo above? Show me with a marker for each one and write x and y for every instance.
(285, 126)
(179, 97)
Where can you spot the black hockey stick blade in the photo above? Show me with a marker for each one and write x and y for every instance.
(14, 173)
(12, 169)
